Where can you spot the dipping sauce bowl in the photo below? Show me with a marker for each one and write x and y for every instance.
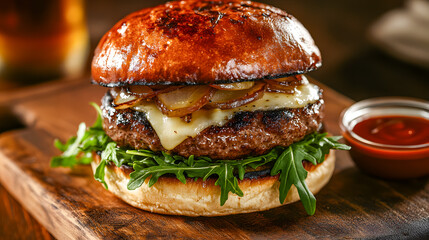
(389, 136)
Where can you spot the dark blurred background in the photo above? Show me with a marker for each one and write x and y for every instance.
(351, 64)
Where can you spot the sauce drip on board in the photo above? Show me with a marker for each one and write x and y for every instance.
(394, 130)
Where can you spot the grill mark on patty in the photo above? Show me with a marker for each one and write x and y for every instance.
(240, 120)
(271, 118)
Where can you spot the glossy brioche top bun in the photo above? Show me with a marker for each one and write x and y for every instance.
(197, 198)
(203, 42)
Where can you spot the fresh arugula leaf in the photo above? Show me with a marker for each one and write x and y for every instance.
(241, 171)
(110, 154)
(63, 147)
(227, 182)
(99, 122)
(100, 172)
(62, 161)
(292, 171)
(313, 148)
(287, 161)
(73, 149)
(78, 150)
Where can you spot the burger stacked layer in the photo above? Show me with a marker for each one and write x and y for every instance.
(187, 127)
(253, 121)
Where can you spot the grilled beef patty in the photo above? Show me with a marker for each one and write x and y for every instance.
(245, 134)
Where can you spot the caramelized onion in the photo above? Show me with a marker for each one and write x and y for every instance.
(180, 101)
(285, 85)
(274, 86)
(115, 91)
(159, 87)
(225, 99)
(234, 86)
(149, 92)
(141, 91)
(183, 101)
(291, 80)
(125, 100)
(166, 89)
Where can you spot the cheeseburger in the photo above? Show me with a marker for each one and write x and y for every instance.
(207, 111)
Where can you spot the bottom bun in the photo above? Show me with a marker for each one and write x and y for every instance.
(202, 198)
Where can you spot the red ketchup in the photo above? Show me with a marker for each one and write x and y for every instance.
(394, 130)
(392, 146)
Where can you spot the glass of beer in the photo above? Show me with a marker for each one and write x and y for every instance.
(42, 39)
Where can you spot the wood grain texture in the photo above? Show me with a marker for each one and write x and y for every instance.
(72, 205)
(16, 223)
(11, 96)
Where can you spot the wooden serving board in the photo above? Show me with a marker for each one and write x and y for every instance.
(72, 205)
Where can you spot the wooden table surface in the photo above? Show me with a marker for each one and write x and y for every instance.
(351, 65)
(71, 204)
(15, 221)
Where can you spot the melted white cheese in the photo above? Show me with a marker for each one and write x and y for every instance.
(173, 130)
